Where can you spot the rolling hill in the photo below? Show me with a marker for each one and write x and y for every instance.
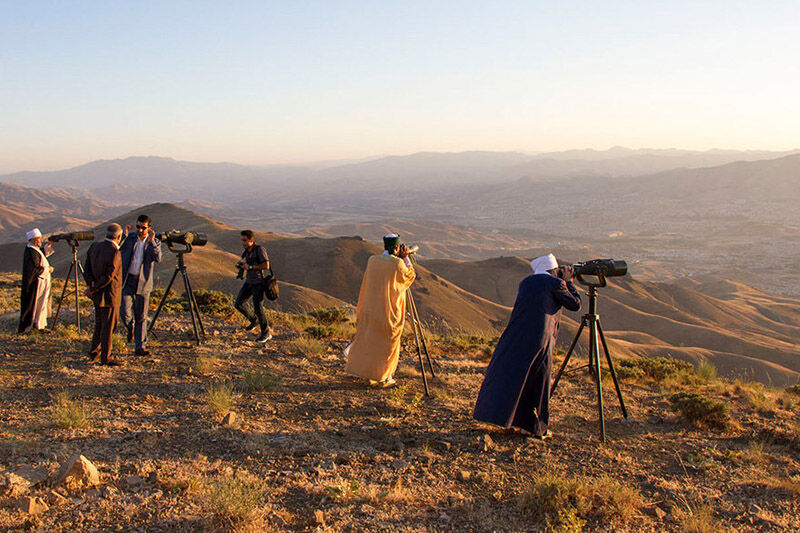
(748, 333)
(743, 331)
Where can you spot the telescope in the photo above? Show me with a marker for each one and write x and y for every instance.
(73, 236)
(601, 269)
(185, 238)
(182, 241)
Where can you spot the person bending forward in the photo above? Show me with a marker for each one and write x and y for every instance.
(375, 351)
(516, 389)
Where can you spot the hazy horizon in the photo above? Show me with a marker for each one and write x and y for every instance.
(269, 83)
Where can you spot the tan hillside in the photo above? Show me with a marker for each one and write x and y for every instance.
(748, 334)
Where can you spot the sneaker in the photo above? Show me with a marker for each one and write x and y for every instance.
(264, 338)
(142, 352)
(251, 326)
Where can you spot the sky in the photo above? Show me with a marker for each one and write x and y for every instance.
(267, 82)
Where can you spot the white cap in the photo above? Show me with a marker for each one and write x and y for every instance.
(32, 234)
(542, 264)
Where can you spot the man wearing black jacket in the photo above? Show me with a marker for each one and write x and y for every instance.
(254, 264)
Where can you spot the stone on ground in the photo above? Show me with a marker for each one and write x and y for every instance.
(78, 473)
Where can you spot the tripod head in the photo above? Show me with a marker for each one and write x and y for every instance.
(179, 248)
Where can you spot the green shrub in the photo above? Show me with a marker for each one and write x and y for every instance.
(655, 368)
(330, 315)
(212, 303)
(701, 410)
(321, 332)
(69, 413)
(793, 389)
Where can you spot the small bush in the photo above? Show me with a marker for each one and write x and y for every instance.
(260, 381)
(793, 389)
(321, 332)
(235, 499)
(701, 410)
(567, 504)
(212, 303)
(401, 398)
(330, 315)
(220, 397)
(69, 413)
(655, 368)
(706, 371)
(307, 346)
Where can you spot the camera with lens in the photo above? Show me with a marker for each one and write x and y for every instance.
(240, 272)
(74, 236)
(184, 239)
(601, 269)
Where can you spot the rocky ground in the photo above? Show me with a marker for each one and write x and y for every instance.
(308, 448)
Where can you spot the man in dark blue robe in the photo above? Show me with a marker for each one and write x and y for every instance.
(516, 389)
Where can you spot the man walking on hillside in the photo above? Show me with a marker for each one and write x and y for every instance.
(375, 351)
(103, 275)
(516, 389)
(254, 264)
(140, 252)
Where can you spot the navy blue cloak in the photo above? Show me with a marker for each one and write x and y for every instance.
(516, 389)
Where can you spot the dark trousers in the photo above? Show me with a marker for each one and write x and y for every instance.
(105, 321)
(256, 291)
(133, 311)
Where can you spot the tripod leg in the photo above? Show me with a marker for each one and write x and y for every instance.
(595, 357)
(195, 305)
(63, 294)
(415, 312)
(77, 296)
(163, 301)
(611, 368)
(566, 357)
(419, 350)
(190, 299)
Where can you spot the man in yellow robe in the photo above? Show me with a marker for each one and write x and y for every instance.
(375, 351)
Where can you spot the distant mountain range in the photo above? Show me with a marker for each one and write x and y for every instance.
(420, 169)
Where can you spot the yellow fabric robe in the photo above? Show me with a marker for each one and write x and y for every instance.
(375, 351)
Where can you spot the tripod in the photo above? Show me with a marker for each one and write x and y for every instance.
(419, 337)
(194, 310)
(75, 267)
(592, 321)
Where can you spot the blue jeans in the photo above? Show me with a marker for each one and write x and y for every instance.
(256, 291)
(133, 311)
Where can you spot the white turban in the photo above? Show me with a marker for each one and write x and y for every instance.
(32, 234)
(541, 265)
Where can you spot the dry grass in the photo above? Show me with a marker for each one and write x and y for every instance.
(308, 346)
(401, 397)
(69, 413)
(220, 397)
(205, 364)
(565, 503)
(235, 499)
(697, 519)
(706, 371)
(254, 381)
